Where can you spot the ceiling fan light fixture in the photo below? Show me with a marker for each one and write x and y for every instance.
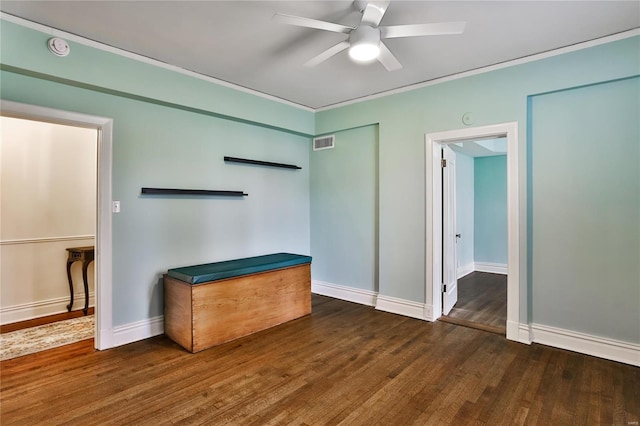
(364, 52)
(365, 40)
(364, 44)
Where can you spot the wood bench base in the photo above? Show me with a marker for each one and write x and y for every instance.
(200, 316)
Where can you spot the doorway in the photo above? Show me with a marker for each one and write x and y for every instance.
(103, 329)
(480, 226)
(435, 257)
(48, 207)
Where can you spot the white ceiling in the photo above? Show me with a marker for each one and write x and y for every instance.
(236, 41)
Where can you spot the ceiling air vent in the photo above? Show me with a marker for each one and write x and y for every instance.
(323, 142)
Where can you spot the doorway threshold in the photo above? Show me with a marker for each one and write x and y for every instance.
(465, 323)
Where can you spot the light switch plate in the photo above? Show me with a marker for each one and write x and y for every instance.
(115, 208)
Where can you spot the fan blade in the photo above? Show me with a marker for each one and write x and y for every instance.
(442, 28)
(327, 54)
(311, 23)
(374, 12)
(387, 59)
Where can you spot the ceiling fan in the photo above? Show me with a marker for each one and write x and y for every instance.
(365, 40)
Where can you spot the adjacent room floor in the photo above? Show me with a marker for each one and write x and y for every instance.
(43, 333)
(482, 302)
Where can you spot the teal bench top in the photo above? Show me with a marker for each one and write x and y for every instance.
(198, 274)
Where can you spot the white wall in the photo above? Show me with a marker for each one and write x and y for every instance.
(47, 204)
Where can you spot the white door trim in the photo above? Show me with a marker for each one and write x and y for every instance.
(433, 227)
(104, 320)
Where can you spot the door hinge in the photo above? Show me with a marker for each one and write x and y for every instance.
(443, 162)
(444, 288)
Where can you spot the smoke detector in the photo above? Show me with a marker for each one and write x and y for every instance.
(58, 46)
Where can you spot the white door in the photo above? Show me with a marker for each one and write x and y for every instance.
(449, 261)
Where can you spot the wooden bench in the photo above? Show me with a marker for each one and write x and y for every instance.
(207, 305)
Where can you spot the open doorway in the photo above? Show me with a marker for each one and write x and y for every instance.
(480, 227)
(102, 128)
(48, 209)
(441, 267)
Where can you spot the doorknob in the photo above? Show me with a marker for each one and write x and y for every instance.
(458, 235)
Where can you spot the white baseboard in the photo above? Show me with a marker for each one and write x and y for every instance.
(521, 332)
(404, 307)
(466, 270)
(350, 294)
(139, 330)
(615, 350)
(42, 308)
(494, 268)
(428, 313)
(372, 298)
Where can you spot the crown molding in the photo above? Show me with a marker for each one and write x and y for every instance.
(531, 58)
(512, 63)
(140, 58)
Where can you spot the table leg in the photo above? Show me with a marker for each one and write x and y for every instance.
(70, 305)
(85, 265)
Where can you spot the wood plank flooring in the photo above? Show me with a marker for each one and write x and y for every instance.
(344, 364)
(482, 302)
(21, 325)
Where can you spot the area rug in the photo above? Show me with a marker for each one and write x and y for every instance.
(43, 337)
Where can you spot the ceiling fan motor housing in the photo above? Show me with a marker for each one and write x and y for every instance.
(360, 5)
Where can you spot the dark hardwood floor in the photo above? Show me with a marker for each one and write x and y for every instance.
(21, 325)
(343, 364)
(482, 302)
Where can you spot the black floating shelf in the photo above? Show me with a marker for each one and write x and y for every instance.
(261, 163)
(202, 192)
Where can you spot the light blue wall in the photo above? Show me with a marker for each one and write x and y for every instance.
(176, 144)
(490, 218)
(585, 176)
(465, 209)
(344, 188)
(494, 97)
(24, 51)
(169, 128)
(156, 146)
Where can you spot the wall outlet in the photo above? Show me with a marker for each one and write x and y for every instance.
(115, 208)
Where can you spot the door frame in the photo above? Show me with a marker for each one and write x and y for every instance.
(433, 263)
(103, 271)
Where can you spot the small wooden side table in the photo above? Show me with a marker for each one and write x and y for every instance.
(86, 255)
